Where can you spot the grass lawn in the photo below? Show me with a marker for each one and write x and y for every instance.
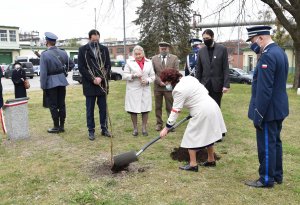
(67, 168)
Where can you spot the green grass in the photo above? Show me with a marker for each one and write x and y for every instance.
(69, 169)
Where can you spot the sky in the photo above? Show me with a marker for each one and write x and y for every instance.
(75, 18)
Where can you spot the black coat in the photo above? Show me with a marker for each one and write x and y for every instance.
(217, 71)
(20, 90)
(89, 67)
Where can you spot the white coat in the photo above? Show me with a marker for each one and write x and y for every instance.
(206, 125)
(138, 97)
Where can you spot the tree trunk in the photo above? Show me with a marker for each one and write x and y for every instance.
(297, 69)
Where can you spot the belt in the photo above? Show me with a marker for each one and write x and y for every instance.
(55, 73)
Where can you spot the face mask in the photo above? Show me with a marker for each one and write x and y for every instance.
(93, 44)
(208, 42)
(196, 49)
(169, 87)
(255, 47)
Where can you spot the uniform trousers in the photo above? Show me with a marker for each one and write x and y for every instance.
(269, 149)
(158, 95)
(90, 106)
(56, 99)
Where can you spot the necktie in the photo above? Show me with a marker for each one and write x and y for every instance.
(163, 63)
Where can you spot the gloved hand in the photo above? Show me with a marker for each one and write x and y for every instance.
(144, 82)
(258, 119)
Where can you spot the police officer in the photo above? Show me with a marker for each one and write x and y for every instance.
(191, 59)
(54, 65)
(268, 105)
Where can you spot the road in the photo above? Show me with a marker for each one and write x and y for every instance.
(8, 85)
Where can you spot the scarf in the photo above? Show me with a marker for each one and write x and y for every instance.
(141, 63)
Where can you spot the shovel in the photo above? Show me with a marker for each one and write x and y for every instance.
(123, 160)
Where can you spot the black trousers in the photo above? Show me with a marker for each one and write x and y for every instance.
(90, 106)
(217, 96)
(56, 99)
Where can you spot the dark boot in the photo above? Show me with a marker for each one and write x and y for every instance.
(62, 125)
(55, 129)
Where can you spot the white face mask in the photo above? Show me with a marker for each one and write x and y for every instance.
(169, 87)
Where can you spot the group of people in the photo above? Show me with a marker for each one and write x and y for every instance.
(200, 92)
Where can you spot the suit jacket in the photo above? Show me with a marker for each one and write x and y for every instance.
(172, 62)
(216, 71)
(269, 100)
(89, 67)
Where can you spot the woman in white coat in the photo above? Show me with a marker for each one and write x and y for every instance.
(206, 125)
(138, 73)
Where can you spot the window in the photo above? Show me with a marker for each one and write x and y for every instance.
(12, 36)
(3, 35)
(250, 63)
(120, 50)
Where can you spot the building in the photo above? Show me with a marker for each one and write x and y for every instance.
(250, 59)
(9, 44)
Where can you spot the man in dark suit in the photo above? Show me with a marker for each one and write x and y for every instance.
(212, 67)
(94, 66)
(161, 61)
(268, 105)
(54, 64)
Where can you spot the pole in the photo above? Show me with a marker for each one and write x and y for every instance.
(124, 32)
(238, 47)
(95, 19)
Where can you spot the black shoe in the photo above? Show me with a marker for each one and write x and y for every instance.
(135, 133)
(91, 136)
(189, 168)
(278, 181)
(106, 134)
(209, 164)
(145, 134)
(258, 184)
(61, 129)
(53, 130)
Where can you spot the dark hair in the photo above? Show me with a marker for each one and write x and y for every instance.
(170, 75)
(93, 32)
(208, 32)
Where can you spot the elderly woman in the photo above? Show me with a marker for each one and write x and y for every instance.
(206, 125)
(138, 73)
(18, 77)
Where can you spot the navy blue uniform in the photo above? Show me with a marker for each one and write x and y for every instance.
(191, 61)
(268, 108)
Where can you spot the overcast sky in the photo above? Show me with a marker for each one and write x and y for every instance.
(74, 18)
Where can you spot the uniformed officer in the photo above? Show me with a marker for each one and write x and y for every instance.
(268, 105)
(54, 65)
(191, 59)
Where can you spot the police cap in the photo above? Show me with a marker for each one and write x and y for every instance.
(258, 30)
(50, 36)
(163, 44)
(195, 41)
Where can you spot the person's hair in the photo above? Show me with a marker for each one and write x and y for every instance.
(51, 43)
(138, 48)
(208, 32)
(170, 75)
(93, 32)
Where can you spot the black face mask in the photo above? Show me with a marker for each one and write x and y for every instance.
(208, 42)
(93, 44)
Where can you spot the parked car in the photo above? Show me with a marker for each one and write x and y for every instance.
(36, 70)
(78, 77)
(27, 66)
(237, 75)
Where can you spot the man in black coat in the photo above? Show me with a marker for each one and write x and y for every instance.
(94, 66)
(212, 67)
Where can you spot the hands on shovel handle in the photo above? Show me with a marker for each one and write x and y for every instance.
(165, 131)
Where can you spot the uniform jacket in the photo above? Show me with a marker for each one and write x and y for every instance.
(138, 97)
(51, 68)
(190, 65)
(172, 62)
(16, 76)
(89, 67)
(216, 71)
(269, 100)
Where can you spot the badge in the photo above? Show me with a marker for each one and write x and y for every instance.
(264, 66)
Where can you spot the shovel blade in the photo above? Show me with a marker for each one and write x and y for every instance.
(123, 160)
